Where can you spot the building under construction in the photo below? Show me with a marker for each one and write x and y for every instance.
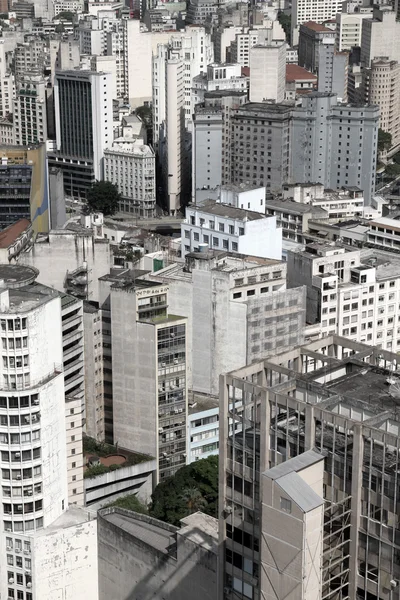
(310, 481)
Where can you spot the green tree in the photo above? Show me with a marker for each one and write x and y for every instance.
(103, 197)
(171, 499)
(384, 140)
(130, 502)
(65, 15)
(392, 170)
(286, 21)
(193, 500)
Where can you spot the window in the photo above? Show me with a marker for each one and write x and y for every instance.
(234, 247)
(241, 230)
(221, 227)
(215, 242)
(251, 292)
(286, 505)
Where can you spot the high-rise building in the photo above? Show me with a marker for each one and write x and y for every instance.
(349, 28)
(382, 87)
(39, 533)
(268, 72)
(207, 153)
(308, 481)
(149, 370)
(332, 69)
(380, 35)
(312, 10)
(30, 115)
(83, 117)
(312, 35)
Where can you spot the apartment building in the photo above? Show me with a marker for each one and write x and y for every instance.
(293, 216)
(238, 305)
(304, 11)
(203, 428)
(149, 370)
(349, 28)
(350, 293)
(131, 167)
(384, 233)
(225, 227)
(308, 484)
(29, 114)
(41, 443)
(312, 36)
(218, 76)
(268, 72)
(380, 35)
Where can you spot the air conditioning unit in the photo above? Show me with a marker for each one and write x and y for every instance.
(172, 335)
(29, 584)
(34, 418)
(27, 572)
(164, 454)
(8, 548)
(18, 477)
(227, 591)
(176, 411)
(180, 410)
(9, 529)
(160, 430)
(19, 507)
(175, 361)
(18, 455)
(17, 550)
(11, 580)
(36, 402)
(393, 583)
(163, 364)
(29, 492)
(27, 551)
(27, 419)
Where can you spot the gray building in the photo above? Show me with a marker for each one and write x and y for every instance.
(335, 144)
(142, 558)
(332, 70)
(207, 153)
(260, 145)
(312, 35)
(318, 423)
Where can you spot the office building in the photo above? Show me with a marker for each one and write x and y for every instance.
(149, 370)
(268, 72)
(30, 57)
(312, 35)
(131, 167)
(24, 187)
(332, 70)
(82, 132)
(380, 35)
(239, 306)
(308, 484)
(349, 28)
(203, 428)
(211, 156)
(30, 115)
(334, 135)
(304, 11)
(39, 529)
(219, 76)
(224, 227)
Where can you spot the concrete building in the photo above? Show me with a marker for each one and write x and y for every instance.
(203, 428)
(149, 393)
(299, 81)
(94, 371)
(143, 556)
(7, 135)
(293, 216)
(70, 261)
(37, 448)
(268, 72)
(351, 293)
(380, 35)
(382, 87)
(224, 227)
(343, 204)
(312, 35)
(307, 486)
(211, 156)
(131, 167)
(227, 299)
(349, 28)
(243, 196)
(384, 233)
(29, 114)
(13, 240)
(332, 70)
(30, 57)
(333, 139)
(304, 11)
(82, 133)
(219, 76)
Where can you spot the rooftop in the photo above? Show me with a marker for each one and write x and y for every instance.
(316, 27)
(228, 211)
(16, 275)
(201, 529)
(296, 73)
(291, 206)
(12, 232)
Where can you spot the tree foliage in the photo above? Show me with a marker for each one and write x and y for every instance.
(130, 502)
(392, 170)
(194, 487)
(103, 197)
(286, 21)
(384, 140)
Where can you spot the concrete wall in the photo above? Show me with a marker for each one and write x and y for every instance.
(129, 568)
(65, 561)
(135, 479)
(66, 251)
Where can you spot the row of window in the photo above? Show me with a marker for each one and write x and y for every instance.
(21, 526)
(18, 420)
(18, 474)
(20, 456)
(19, 402)
(13, 324)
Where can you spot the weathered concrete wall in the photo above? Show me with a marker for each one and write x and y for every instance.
(130, 569)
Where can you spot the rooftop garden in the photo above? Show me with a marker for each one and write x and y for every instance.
(103, 458)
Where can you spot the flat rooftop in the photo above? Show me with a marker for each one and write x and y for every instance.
(291, 206)
(228, 211)
(16, 275)
(201, 529)
(27, 298)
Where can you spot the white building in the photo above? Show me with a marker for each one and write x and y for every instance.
(268, 72)
(380, 35)
(131, 167)
(384, 233)
(203, 428)
(224, 227)
(346, 203)
(219, 76)
(349, 28)
(7, 84)
(312, 10)
(30, 115)
(38, 528)
(244, 196)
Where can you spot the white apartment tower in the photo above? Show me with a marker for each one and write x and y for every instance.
(312, 10)
(30, 120)
(383, 89)
(34, 449)
(268, 72)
